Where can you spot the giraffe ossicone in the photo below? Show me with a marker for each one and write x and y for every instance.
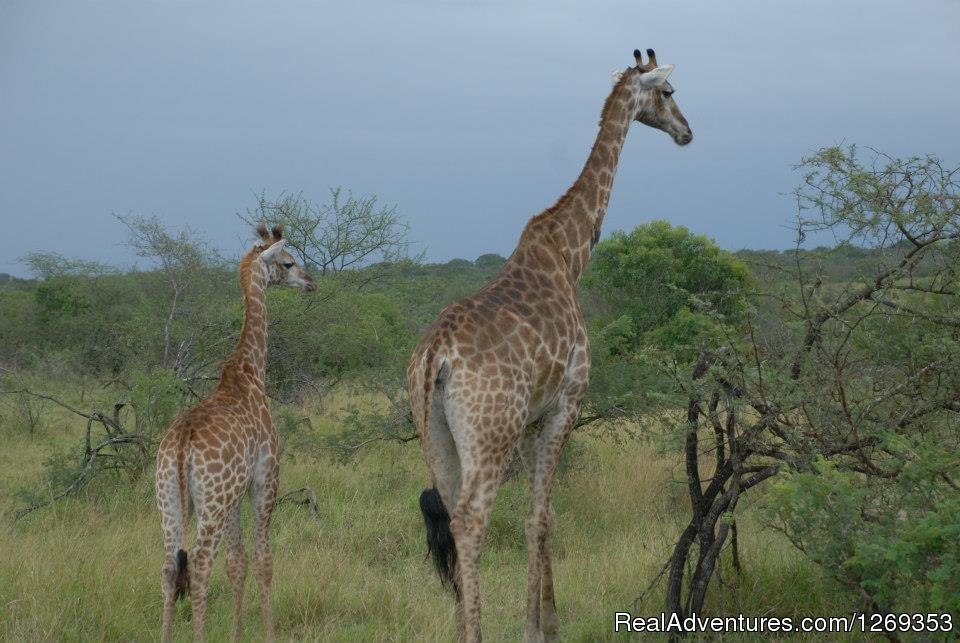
(507, 367)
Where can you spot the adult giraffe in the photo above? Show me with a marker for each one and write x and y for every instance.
(221, 448)
(508, 366)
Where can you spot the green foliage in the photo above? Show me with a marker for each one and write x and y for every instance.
(20, 411)
(60, 469)
(297, 439)
(627, 384)
(423, 290)
(157, 398)
(18, 322)
(684, 331)
(489, 262)
(664, 279)
(652, 297)
(57, 299)
(900, 544)
(346, 336)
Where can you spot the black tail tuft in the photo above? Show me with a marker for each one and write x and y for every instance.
(183, 576)
(440, 544)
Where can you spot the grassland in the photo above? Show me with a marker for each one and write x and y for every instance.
(87, 568)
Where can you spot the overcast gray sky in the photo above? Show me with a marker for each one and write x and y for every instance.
(470, 116)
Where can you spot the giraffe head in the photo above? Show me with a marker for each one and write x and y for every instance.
(282, 268)
(656, 106)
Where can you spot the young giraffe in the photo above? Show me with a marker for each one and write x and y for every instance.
(508, 366)
(219, 449)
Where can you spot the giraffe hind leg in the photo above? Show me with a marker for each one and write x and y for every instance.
(236, 567)
(263, 494)
(211, 524)
(437, 503)
(173, 572)
(468, 525)
(480, 481)
(541, 455)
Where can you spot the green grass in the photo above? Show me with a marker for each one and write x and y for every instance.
(87, 567)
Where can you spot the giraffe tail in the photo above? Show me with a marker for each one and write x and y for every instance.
(183, 576)
(440, 544)
(183, 573)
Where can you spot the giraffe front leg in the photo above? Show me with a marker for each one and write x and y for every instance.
(264, 496)
(168, 581)
(236, 568)
(549, 620)
(542, 455)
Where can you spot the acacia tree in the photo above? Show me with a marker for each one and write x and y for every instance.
(191, 279)
(346, 233)
(846, 393)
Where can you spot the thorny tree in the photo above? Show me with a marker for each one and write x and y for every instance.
(332, 238)
(846, 392)
(191, 272)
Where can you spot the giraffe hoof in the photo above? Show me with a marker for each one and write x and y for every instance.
(532, 635)
(551, 627)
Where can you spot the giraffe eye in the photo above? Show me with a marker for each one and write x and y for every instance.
(288, 265)
(667, 94)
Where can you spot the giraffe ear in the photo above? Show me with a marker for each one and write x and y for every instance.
(656, 76)
(270, 254)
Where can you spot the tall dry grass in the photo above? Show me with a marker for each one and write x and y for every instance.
(87, 568)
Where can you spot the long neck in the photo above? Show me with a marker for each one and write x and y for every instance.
(251, 352)
(573, 224)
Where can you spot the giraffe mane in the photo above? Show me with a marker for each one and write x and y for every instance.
(617, 87)
(607, 106)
